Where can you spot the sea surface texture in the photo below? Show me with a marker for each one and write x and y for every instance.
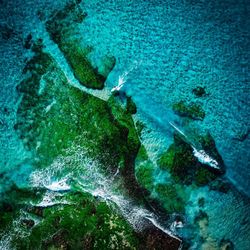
(124, 124)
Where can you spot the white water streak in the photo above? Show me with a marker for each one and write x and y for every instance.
(201, 155)
(123, 78)
(79, 173)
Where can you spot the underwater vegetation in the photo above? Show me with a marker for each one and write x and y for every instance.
(184, 167)
(62, 27)
(191, 110)
(91, 162)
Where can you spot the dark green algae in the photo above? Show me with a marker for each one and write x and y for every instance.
(167, 197)
(190, 110)
(184, 167)
(86, 224)
(52, 116)
(63, 28)
(185, 171)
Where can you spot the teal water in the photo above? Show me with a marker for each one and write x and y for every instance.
(163, 49)
(181, 45)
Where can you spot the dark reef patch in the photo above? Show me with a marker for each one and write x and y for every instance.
(62, 27)
(184, 167)
(53, 117)
(191, 110)
(199, 91)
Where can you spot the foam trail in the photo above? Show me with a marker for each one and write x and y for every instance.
(60, 185)
(87, 177)
(177, 129)
(201, 155)
(123, 78)
(204, 158)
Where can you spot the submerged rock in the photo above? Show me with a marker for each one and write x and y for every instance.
(184, 167)
(226, 245)
(62, 27)
(191, 110)
(130, 106)
(28, 223)
(199, 91)
(170, 198)
(156, 239)
(28, 42)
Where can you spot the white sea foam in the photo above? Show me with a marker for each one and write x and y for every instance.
(51, 199)
(5, 241)
(123, 78)
(60, 185)
(204, 158)
(85, 175)
(201, 155)
(48, 108)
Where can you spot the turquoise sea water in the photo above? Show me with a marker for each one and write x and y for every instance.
(178, 46)
(163, 50)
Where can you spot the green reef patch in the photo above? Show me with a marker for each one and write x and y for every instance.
(63, 28)
(184, 167)
(191, 110)
(144, 170)
(86, 223)
(171, 197)
(199, 91)
(130, 106)
(53, 115)
(166, 197)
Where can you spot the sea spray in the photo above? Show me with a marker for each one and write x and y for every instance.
(5, 241)
(16, 228)
(77, 172)
(200, 154)
(122, 79)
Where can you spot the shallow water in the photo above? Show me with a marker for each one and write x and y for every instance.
(163, 50)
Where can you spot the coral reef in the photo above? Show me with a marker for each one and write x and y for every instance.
(53, 114)
(199, 91)
(62, 27)
(170, 197)
(86, 224)
(144, 170)
(191, 110)
(184, 167)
